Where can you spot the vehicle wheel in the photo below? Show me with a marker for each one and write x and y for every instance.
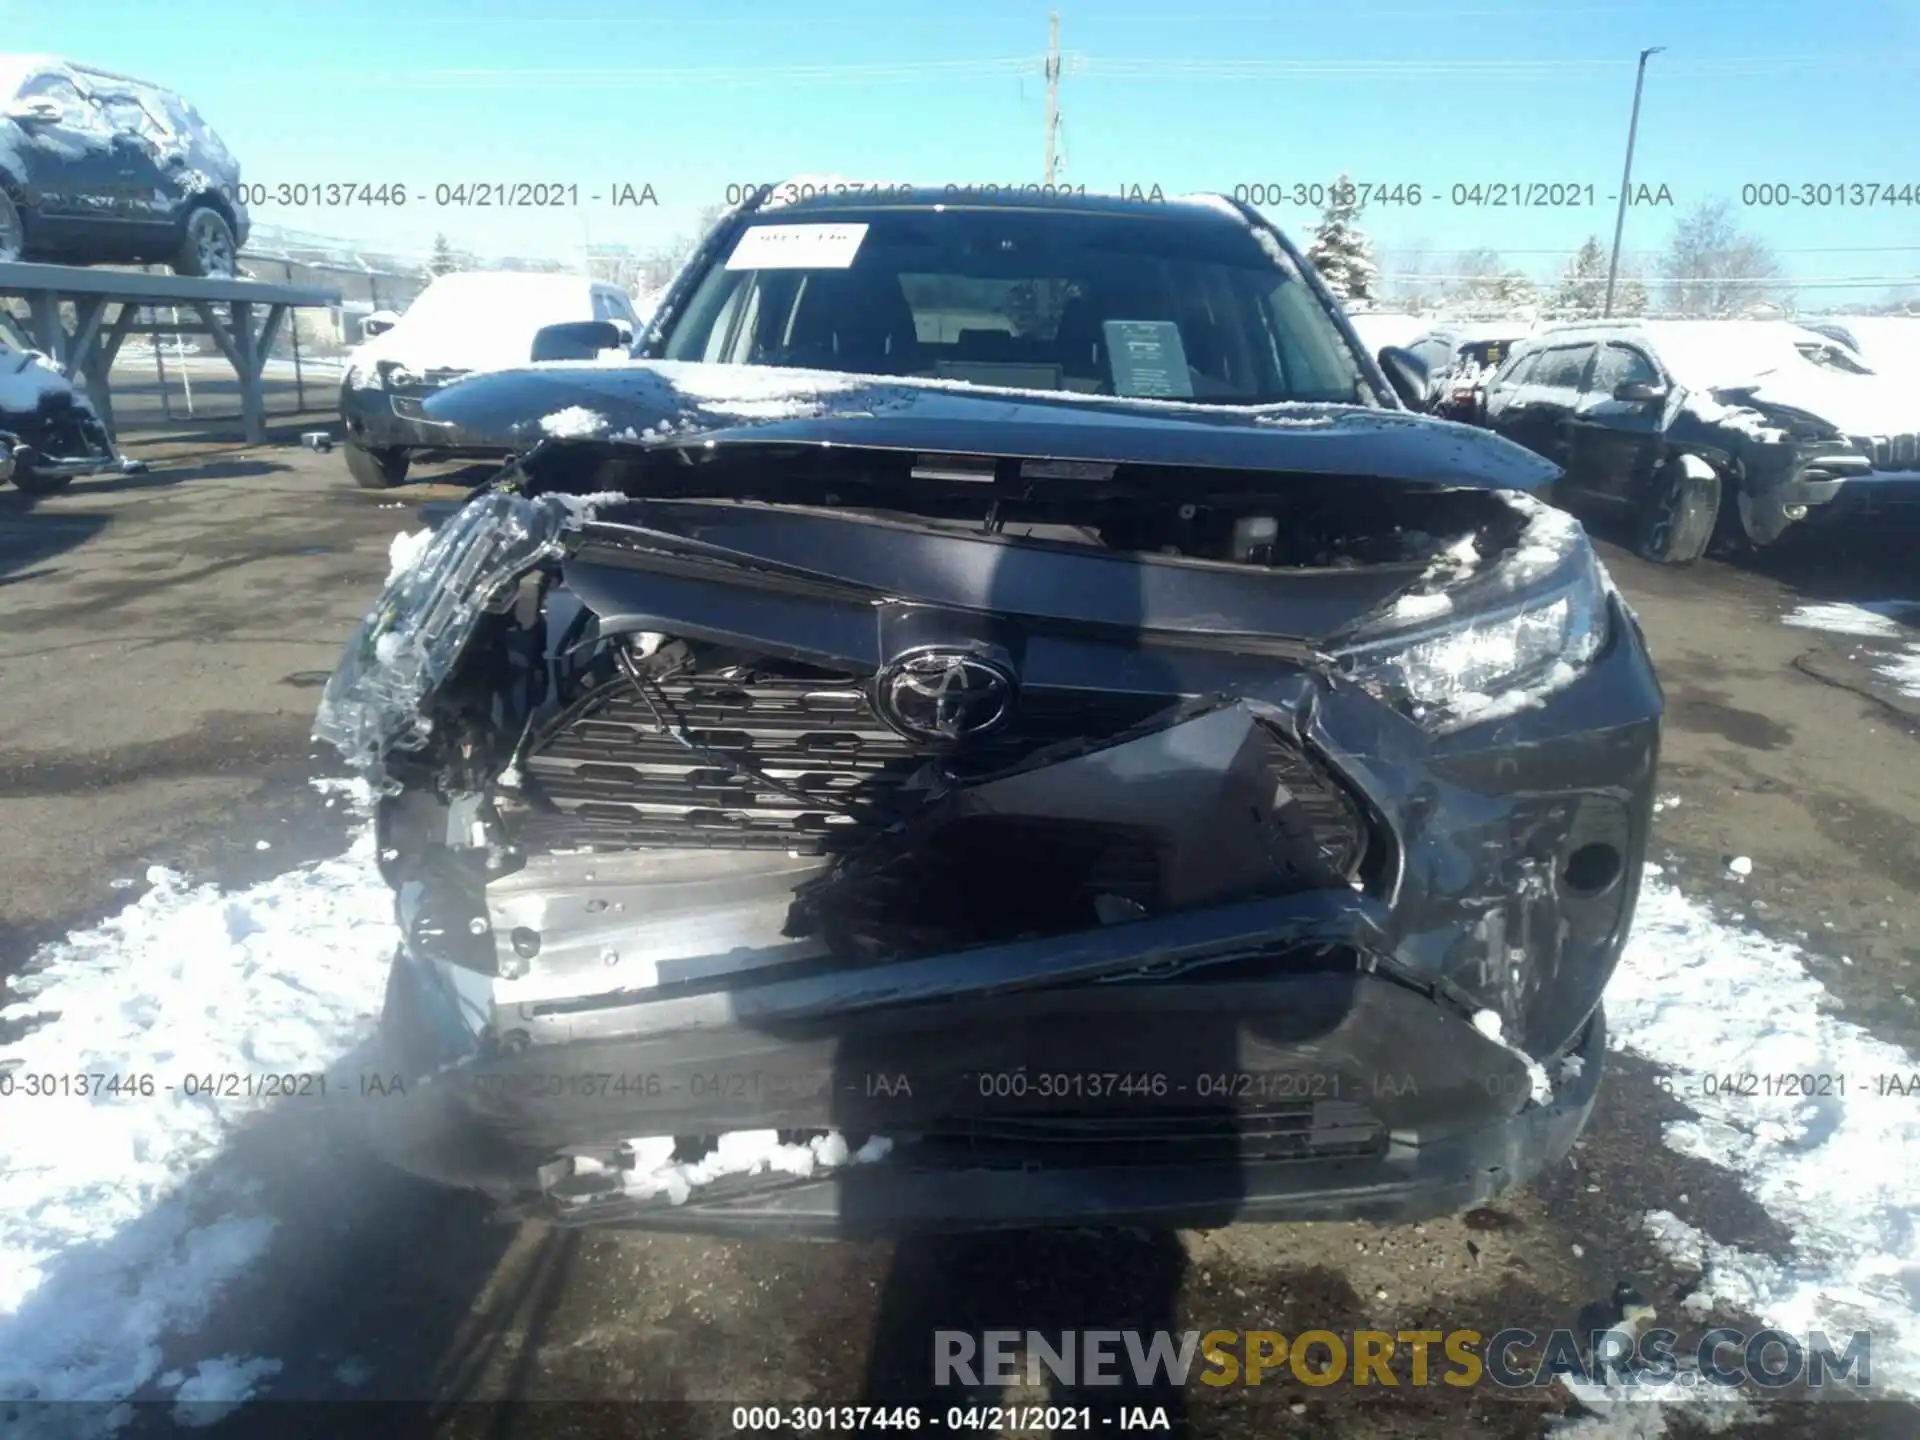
(375, 469)
(207, 246)
(1678, 518)
(13, 227)
(31, 481)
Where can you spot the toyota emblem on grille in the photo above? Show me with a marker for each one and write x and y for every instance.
(945, 695)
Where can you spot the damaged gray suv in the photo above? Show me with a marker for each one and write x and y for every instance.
(998, 716)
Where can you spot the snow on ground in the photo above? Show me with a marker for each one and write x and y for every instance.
(1896, 620)
(1839, 1171)
(106, 1250)
(107, 1254)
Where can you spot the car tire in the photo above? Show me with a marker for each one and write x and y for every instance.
(207, 245)
(29, 481)
(13, 225)
(376, 469)
(1678, 519)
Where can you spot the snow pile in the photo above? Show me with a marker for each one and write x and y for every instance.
(576, 422)
(740, 1152)
(105, 1249)
(405, 552)
(1877, 621)
(1549, 537)
(1874, 620)
(1488, 1023)
(1715, 1004)
(219, 1387)
(759, 392)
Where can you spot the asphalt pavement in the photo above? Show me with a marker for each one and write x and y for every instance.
(162, 640)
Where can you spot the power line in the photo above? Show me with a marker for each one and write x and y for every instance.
(1784, 282)
(1076, 63)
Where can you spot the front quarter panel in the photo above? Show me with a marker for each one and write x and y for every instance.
(1502, 831)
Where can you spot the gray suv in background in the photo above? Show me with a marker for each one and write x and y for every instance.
(98, 168)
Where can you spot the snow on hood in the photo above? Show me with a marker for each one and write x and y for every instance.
(24, 377)
(478, 320)
(1765, 358)
(681, 403)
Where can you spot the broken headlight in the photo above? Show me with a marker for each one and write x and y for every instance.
(1496, 659)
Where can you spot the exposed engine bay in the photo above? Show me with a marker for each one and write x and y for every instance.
(802, 808)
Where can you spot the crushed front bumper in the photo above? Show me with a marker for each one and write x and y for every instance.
(1310, 1096)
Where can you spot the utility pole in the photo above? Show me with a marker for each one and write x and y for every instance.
(1626, 179)
(1053, 87)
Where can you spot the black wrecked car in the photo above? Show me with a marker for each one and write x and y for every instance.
(1701, 429)
(1082, 752)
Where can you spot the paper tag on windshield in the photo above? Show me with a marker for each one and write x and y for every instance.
(1147, 358)
(797, 247)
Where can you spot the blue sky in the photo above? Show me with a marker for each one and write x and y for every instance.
(692, 95)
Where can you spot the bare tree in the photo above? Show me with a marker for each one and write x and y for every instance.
(659, 267)
(1712, 267)
(1409, 263)
(1488, 282)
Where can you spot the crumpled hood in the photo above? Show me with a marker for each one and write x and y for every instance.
(669, 404)
(1877, 404)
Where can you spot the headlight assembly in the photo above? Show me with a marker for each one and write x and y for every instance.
(1482, 664)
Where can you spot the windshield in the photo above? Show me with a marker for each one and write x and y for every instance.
(1095, 304)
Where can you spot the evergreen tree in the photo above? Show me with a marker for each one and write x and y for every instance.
(1582, 291)
(443, 257)
(1340, 250)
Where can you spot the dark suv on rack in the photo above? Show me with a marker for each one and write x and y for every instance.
(103, 169)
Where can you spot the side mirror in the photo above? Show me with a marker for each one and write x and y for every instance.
(34, 112)
(575, 340)
(1408, 374)
(378, 323)
(1637, 392)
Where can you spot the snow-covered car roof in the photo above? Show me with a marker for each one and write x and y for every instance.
(1886, 342)
(183, 131)
(1472, 332)
(1384, 327)
(482, 319)
(15, 69)
(1733, 354)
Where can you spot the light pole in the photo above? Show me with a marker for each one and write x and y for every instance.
(1626, 179)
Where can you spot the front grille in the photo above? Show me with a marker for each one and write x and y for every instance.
(615, 779)
(1293, 1130)
(1890, 452)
